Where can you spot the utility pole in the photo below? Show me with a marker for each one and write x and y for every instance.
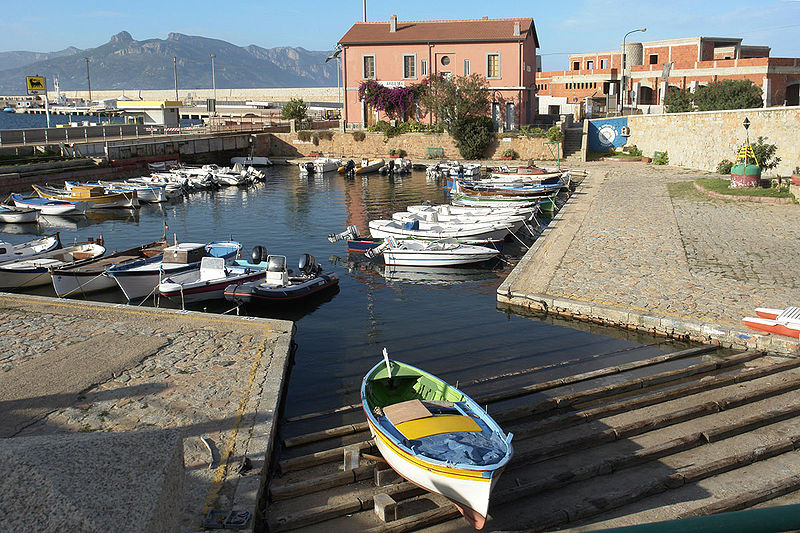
(175, 67)
(364, 10)
(213, 78)
(88, 80)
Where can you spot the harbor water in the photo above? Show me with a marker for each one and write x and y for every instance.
(443, 320)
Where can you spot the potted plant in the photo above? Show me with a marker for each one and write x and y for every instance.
(509, 153)
(796, 176)
(401, 152)
(393, 154)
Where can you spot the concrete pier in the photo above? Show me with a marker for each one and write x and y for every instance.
(638, 246)
(112, 388)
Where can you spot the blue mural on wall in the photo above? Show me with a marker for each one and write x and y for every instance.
(607, 132)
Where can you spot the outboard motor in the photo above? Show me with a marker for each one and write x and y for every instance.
(391, 166)
(308, 266)
(309, 166)
(349, 167)
(350, 233)
(258, 255)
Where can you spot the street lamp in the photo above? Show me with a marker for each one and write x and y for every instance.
(335, 55)
(622, 89)
(175, 67)
(88, 80)
(213, 78)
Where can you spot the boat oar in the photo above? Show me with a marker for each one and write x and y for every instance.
(386, 360)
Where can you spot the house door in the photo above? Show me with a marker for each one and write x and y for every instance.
(496, 115)
(370, 116)
(511, 116)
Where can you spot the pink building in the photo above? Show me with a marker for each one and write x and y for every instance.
(398, 53)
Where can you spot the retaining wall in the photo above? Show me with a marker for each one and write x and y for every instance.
(376, 145)
(701, 140)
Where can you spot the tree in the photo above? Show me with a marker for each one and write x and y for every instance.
(395, 102)
(294, 109)
(728, 94)
(765, 154)
(678, 100)
(452, 100)
(473, 135)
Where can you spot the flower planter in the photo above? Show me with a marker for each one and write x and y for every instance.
(394, 156)
(314, 154)
(646, 159)
(506, 157)
(796, 179)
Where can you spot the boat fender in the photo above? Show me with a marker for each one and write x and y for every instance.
(259, 255)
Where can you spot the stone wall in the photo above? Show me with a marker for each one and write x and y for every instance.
(701, 140)
(376, 145)
(275, 94)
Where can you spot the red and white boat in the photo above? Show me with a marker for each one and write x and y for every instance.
(780, 321)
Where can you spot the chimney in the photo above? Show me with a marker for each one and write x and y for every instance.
(516, 29)
(393, 24)
(484, 18)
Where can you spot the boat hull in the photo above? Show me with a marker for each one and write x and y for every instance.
(204, 290)
(256, 293)
(60, 207)
(80, 283)
(461, 234)
(400, 257)
(364, 244)
(22, 216)
(772, 326)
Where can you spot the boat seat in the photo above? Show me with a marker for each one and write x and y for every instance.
(436, 425)
(212, 268)
(399, 413)
(789, 315)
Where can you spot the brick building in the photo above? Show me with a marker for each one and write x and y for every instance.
(401, 53)
(593, 79)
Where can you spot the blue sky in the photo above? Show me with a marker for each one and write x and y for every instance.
(563, 27)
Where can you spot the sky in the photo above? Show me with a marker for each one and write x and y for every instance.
(563, 27)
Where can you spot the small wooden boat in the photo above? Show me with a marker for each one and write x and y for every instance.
(15, 252)
(357, 243)
(140, 278)
(279, 286)
(209, 281)
(448, 209)
(18, 215)
(434, 231)
(407, 252)
(35, 271)
(435, 436)
(49, 206)
(779, 321)
(90, 276)
(96, 194)
(515, 222)
(369, 165)
(151, 194)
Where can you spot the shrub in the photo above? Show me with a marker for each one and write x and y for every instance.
(538, 132)
(294, 109)
(401, 152)
(724, 167)
(555, 134)
(359, 136)
(304, 135)
(315, 139)
(661, 158)
(634, 151)
(765, 153)
(325, 134)
(678, 100)
(472, 135)
(510, 152)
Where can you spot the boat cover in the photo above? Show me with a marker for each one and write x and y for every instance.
(479, 448)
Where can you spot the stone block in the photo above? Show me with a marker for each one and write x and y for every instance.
(385, 475)
(352, 457)
(385, 507)
(93, 482)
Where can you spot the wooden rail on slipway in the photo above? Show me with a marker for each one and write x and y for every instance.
(667, 434)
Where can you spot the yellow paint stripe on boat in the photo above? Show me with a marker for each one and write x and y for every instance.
(436, 425)
(472, 475)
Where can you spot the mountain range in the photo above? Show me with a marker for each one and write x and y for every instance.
(125, 63)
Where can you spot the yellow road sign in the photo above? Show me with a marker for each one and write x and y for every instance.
(35, 84)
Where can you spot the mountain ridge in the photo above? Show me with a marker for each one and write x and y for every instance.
(126, 63)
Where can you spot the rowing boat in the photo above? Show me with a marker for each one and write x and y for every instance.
(435, 436)
(779, 321)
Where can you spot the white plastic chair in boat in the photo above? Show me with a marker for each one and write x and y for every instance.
(276, 271)
(212, 268)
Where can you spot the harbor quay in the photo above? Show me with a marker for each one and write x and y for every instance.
(638, 246)
(125, 418)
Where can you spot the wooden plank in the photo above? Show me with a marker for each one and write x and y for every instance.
(292, 490)
(325, 434)
(318, 458)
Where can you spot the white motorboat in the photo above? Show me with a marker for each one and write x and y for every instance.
(32, 248)
(88, 276)
(209, 281)
(447, 209)
(49, 206)
(320, 165)
(514, 221)
(140, 278)
(18, 215)
(436, 231)
(35, 271)
(253, 161)
(409, 252)
(369, 165)
(395, 166)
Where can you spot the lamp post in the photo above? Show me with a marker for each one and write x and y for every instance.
(335, 55)
(175, 67)
(88, 80)
(623, 92)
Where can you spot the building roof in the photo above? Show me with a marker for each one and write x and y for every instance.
(437, 31)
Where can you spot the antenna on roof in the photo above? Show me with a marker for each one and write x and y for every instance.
(364, 10)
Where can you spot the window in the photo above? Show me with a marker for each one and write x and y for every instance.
(603, 63)
(423, 67)
(654, 59)
(493, 65)
(445, 60)
(590, 65)
(409, 66)
(466, 67)
(369, 67)
(576, 65)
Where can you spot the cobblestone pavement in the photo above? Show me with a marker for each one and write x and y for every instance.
(649, 241)
(206, 378)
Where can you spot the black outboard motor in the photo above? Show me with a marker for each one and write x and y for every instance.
(309, 166)
(259, 255)
(308, 266)
(391, 166)
(349, 167)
